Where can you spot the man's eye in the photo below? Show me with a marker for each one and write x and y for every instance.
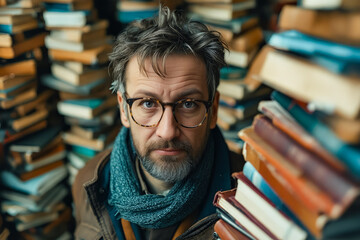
(148, 104)
(189, 104)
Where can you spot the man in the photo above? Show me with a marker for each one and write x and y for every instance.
(169, 159)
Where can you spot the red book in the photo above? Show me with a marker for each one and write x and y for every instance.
(227, 232)
(340, 189)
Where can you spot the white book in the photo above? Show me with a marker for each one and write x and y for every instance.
(65, 19)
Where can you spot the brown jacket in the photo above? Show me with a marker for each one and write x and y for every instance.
(92, 218)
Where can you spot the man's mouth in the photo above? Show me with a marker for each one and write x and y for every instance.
(168, 151)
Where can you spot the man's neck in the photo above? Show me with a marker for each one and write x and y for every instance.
(155, 185)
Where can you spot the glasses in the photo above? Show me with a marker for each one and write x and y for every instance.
(148, 112)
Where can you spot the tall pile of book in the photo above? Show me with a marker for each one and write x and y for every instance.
(240, 94)
(78, 46)
(303, 151)
(31, 148)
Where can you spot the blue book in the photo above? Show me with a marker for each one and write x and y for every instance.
(348, 154)
(83, 151)
(60, 85)
(300, 43)
(60, 7)
(337, 66)
(35, 186)
(6, 28)
(89, 103)
(232, 72)
(129, 16)
(255, 178)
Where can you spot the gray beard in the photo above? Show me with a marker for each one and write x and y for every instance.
(170, 169)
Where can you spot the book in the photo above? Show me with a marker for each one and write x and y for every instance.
(286, 123)
(19, 68)
(90, 132)
(22, 47)
(9, 82)
(37, 141)
(345, 129)
(226, 232)
(241, 110)
(41, 99)
(97, 55)
(25, 4)
(77, 160)
(70, 76)
(311, 83)
(312, 220)
(260, 183)
(348, 154)
(331, 5)
(68, 7)
(74, 19)
(236, 26)
(27, 175)
(232, 73)
(26, 121)
(301, 43)
(35, 186)
(107, 117)
(85, 108)
(247, 41)
(20, 27)
(128, 11)
(222, 11)
(264, 210)
(322, 24)
(97, 144)
(11, 92)
(13, 19)
(60, 85)
(55, 43)
(240, 59)
(87, 33)
(309, 194)
(223, 200)
(18, 99)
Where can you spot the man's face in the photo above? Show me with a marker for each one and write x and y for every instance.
(169, 151)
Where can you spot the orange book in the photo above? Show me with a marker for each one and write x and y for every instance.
(311, 219)
(39, 171)
(306, 191)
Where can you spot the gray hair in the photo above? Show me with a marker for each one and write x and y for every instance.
(162, 35)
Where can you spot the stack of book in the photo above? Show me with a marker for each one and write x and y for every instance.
(78, 47)
(238, 24)
(130, 10)
(23, 106)
(33, 193)
(303, 150)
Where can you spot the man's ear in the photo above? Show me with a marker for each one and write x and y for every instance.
(214, 110)
(123, 115)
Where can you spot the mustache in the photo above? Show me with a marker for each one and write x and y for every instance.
(174, 144)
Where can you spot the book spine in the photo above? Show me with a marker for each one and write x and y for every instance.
(313, 167)
(348, 154)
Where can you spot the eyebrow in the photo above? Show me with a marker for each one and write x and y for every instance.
(184, 94)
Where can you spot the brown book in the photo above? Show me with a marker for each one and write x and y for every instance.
(313, 220)
(301, 187)
(347, 130)
(22, 47)
(32, 83)
(25, 67)
(338, 26)
(12, 80)
(222, 11)
(42, 98)
(39, 171)
(311, 83)
(247, 41)
(14, 19)
(225, 201)
(227, 232)
(78, 79)
(30, 119)
(97, 55)
(20, 98)
(286, 123)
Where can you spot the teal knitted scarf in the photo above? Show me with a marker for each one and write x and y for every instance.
(156, 211)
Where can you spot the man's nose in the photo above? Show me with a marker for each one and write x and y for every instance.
(168, 128)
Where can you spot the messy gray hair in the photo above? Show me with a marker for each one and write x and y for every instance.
(160, 36)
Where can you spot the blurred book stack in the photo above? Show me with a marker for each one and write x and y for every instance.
(23, 107)
(78, 47)
(33, 194)
(240, 94)
(303, 151)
